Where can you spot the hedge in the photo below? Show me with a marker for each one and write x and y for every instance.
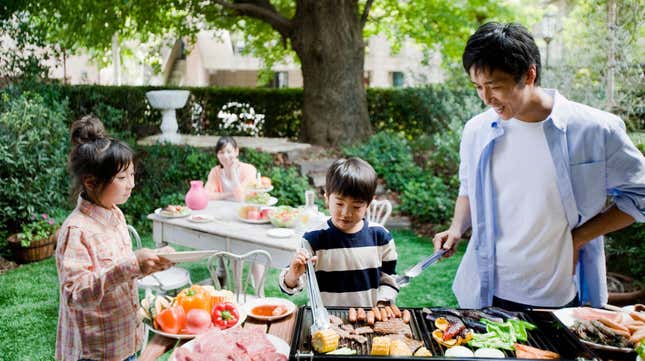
(413, 111)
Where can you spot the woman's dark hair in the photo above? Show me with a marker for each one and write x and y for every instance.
(506, 47)
(223, 142)
(351, 177)
(94, 155)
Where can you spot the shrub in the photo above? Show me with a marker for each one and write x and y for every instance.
(33, 146)
(288, 186)
(625, 249)
(427, 199)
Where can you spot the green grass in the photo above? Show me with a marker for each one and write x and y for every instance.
(29, 296)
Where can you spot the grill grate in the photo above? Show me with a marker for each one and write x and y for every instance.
(549, 335)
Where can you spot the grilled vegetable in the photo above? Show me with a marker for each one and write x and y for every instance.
(399, 348)
(325, 340)
(380, 346)
(423, 352)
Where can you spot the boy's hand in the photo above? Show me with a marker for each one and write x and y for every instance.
(149, 262)
(297, 267)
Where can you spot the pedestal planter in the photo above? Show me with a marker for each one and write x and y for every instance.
(624, 290)
(36, 251)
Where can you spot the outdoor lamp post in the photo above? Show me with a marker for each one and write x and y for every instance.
(548, 32)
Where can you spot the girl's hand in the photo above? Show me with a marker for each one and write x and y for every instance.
(297, 267)
(149, 262)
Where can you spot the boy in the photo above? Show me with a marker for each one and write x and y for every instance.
(355, 261)
(536, 170)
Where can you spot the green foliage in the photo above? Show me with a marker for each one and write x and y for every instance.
(625, 250)
(33, 147)
(428, 199)
(40, 226)
(288, 186)
(262, 161)
(582, 72)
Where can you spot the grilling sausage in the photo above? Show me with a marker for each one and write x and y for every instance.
(406, 316)
(377, 313)
(396, 310)
(360, 314)
(370, 317)
(352, 315)
(383, 314)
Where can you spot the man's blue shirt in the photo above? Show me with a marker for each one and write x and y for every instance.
(594, 159)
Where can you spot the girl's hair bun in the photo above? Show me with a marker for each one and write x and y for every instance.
(86, 130)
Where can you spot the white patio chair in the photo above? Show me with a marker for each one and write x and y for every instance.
(171, 279)
(236, 280)
(379, 211)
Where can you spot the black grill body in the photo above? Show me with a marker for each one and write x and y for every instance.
(550, 334)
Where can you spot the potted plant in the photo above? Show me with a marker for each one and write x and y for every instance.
(36, 239)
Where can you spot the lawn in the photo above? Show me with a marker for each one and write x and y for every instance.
(29, 296)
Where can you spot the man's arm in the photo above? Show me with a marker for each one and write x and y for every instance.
(608, 221)
(460, 223)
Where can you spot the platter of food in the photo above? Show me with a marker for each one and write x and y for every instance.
(269, 309)
(260, 198)
(254, 214)
(173, 211)
(186, 256)
(601, 329)
(195, 310)
(233, 344)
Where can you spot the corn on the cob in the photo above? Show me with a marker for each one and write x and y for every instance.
(380, 346)
(399, 348)
(325, 340)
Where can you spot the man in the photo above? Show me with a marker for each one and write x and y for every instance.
(536, 170)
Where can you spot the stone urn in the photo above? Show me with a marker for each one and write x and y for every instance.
(167, 101)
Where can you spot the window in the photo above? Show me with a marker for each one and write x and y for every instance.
(398, 79)
(280, 80)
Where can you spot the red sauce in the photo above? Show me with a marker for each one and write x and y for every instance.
(268, 310)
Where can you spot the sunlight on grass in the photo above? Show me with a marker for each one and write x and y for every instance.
(29, 295)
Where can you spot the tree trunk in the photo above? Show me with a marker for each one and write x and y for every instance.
(328, 38)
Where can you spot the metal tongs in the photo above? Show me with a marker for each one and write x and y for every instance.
(404, 279)
(318, 310)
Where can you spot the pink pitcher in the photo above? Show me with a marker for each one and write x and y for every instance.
(196, 198)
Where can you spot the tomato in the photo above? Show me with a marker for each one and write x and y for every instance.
(172, 320)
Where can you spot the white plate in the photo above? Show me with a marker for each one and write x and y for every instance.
(200, 218)
(185, 213)
(260, 190)
(269, 301)
(280, 232)
(565, 315)
(186, 256)
(280, 346)
(254, 221)
(188, 336)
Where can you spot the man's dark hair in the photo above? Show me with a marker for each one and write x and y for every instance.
(351, 177)
(506, 47)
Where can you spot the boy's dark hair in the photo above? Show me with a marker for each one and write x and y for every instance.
(506, 47)
(95, 155)
(223, 142)
(351, 177)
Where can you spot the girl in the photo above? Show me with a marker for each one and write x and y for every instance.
(226, 181)
(96, 265)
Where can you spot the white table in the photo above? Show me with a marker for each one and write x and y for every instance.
(225, 233)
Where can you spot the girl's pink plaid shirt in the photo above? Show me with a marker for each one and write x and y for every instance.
(98, 296)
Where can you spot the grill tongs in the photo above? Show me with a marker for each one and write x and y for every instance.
(318, 310)
(415, 270)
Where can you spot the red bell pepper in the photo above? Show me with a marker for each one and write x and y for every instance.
(225, 315)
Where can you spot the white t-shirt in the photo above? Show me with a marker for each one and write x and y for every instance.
(534, 252)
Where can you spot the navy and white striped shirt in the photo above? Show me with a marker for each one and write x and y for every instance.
(352, 269)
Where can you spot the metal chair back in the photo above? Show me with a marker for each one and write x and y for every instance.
(379, 211)
(227, 270)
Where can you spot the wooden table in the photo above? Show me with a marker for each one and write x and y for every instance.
(282, 328)
(226, 233)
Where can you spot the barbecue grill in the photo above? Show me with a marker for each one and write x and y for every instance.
(550, 334)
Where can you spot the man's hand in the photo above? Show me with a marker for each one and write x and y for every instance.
(447, 240)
